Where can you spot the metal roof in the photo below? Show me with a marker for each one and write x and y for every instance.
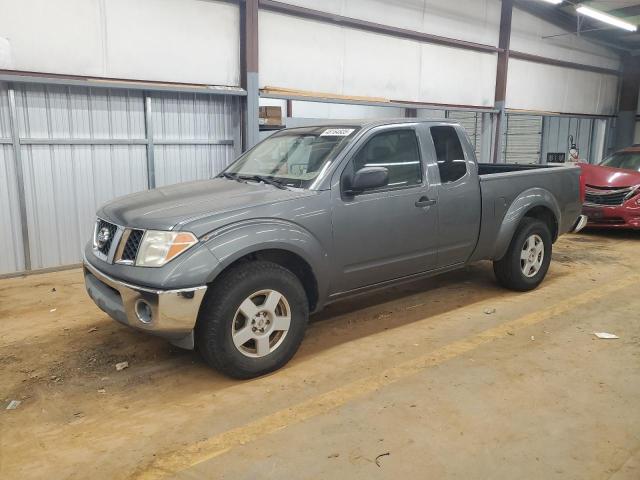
(565, 16)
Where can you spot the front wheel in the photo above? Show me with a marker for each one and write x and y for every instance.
(527, 260)
(252, 320)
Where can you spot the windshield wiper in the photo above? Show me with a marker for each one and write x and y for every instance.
(232, 176)
(269, 180)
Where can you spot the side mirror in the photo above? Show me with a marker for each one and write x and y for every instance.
(368, 178)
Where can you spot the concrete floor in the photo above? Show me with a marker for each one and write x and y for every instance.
(419, 378)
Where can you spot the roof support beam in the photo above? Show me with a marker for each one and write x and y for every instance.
(562, 63)
(350, 22)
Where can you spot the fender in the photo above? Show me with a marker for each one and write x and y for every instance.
(523, 203)
(237, 240)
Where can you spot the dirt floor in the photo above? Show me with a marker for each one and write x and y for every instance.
(450, 377)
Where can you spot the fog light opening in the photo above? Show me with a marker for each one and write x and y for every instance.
(143, 311)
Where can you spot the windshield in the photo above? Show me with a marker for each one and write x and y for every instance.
(293, 157)
(626, 160)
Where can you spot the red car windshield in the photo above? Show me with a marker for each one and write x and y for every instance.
(625, 160)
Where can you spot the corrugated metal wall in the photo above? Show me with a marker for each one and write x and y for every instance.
(65, 183)
(12, 258)
(522, 139)
(472, 123)
(556, 136)
(194, 135)
(80, 147)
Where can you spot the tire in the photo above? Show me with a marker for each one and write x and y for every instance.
(510, 269)
(225, 315)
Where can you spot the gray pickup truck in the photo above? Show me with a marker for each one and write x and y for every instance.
(234, 265)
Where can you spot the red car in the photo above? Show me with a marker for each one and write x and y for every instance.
(612, 190)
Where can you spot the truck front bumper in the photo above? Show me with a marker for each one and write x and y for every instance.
(171, 314)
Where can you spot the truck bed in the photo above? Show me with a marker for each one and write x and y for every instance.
(493, 168)
(500, 186)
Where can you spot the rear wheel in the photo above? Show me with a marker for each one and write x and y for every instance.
(527, 260)
(252, 320)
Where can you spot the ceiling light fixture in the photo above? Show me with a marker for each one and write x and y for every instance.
(555, 2)
(606, 18)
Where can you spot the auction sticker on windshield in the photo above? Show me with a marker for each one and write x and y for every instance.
(337, 132)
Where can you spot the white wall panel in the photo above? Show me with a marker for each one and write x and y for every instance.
(338, 60)
(458, 77)
(173, 40)
(298, 53)
(191, 41)
(538, 87)
(527, 32)
(61, 36)
(470, 20)
(380, 66)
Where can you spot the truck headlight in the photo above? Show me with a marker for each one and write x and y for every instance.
(157, 248)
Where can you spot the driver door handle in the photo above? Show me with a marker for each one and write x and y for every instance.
(425, 202)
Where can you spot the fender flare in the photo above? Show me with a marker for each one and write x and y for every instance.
(523, 203)
(237, 240)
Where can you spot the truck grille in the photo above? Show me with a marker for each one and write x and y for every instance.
(116, 244)
(606, 195)
(130, 250)
(104, 229)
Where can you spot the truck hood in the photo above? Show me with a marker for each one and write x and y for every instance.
(609, 177)
(174, 206)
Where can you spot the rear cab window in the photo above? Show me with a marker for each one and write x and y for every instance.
(449, 153)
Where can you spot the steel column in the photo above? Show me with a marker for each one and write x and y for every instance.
(542, 160)
(249, 71)
(17, 157)
(289, 108)
(148, 125)
(504, 41)
(486, 137)
(627, 109)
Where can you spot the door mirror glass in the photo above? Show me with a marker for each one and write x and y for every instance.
(368, 178)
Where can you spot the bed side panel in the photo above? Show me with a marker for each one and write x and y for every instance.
(507, 197)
